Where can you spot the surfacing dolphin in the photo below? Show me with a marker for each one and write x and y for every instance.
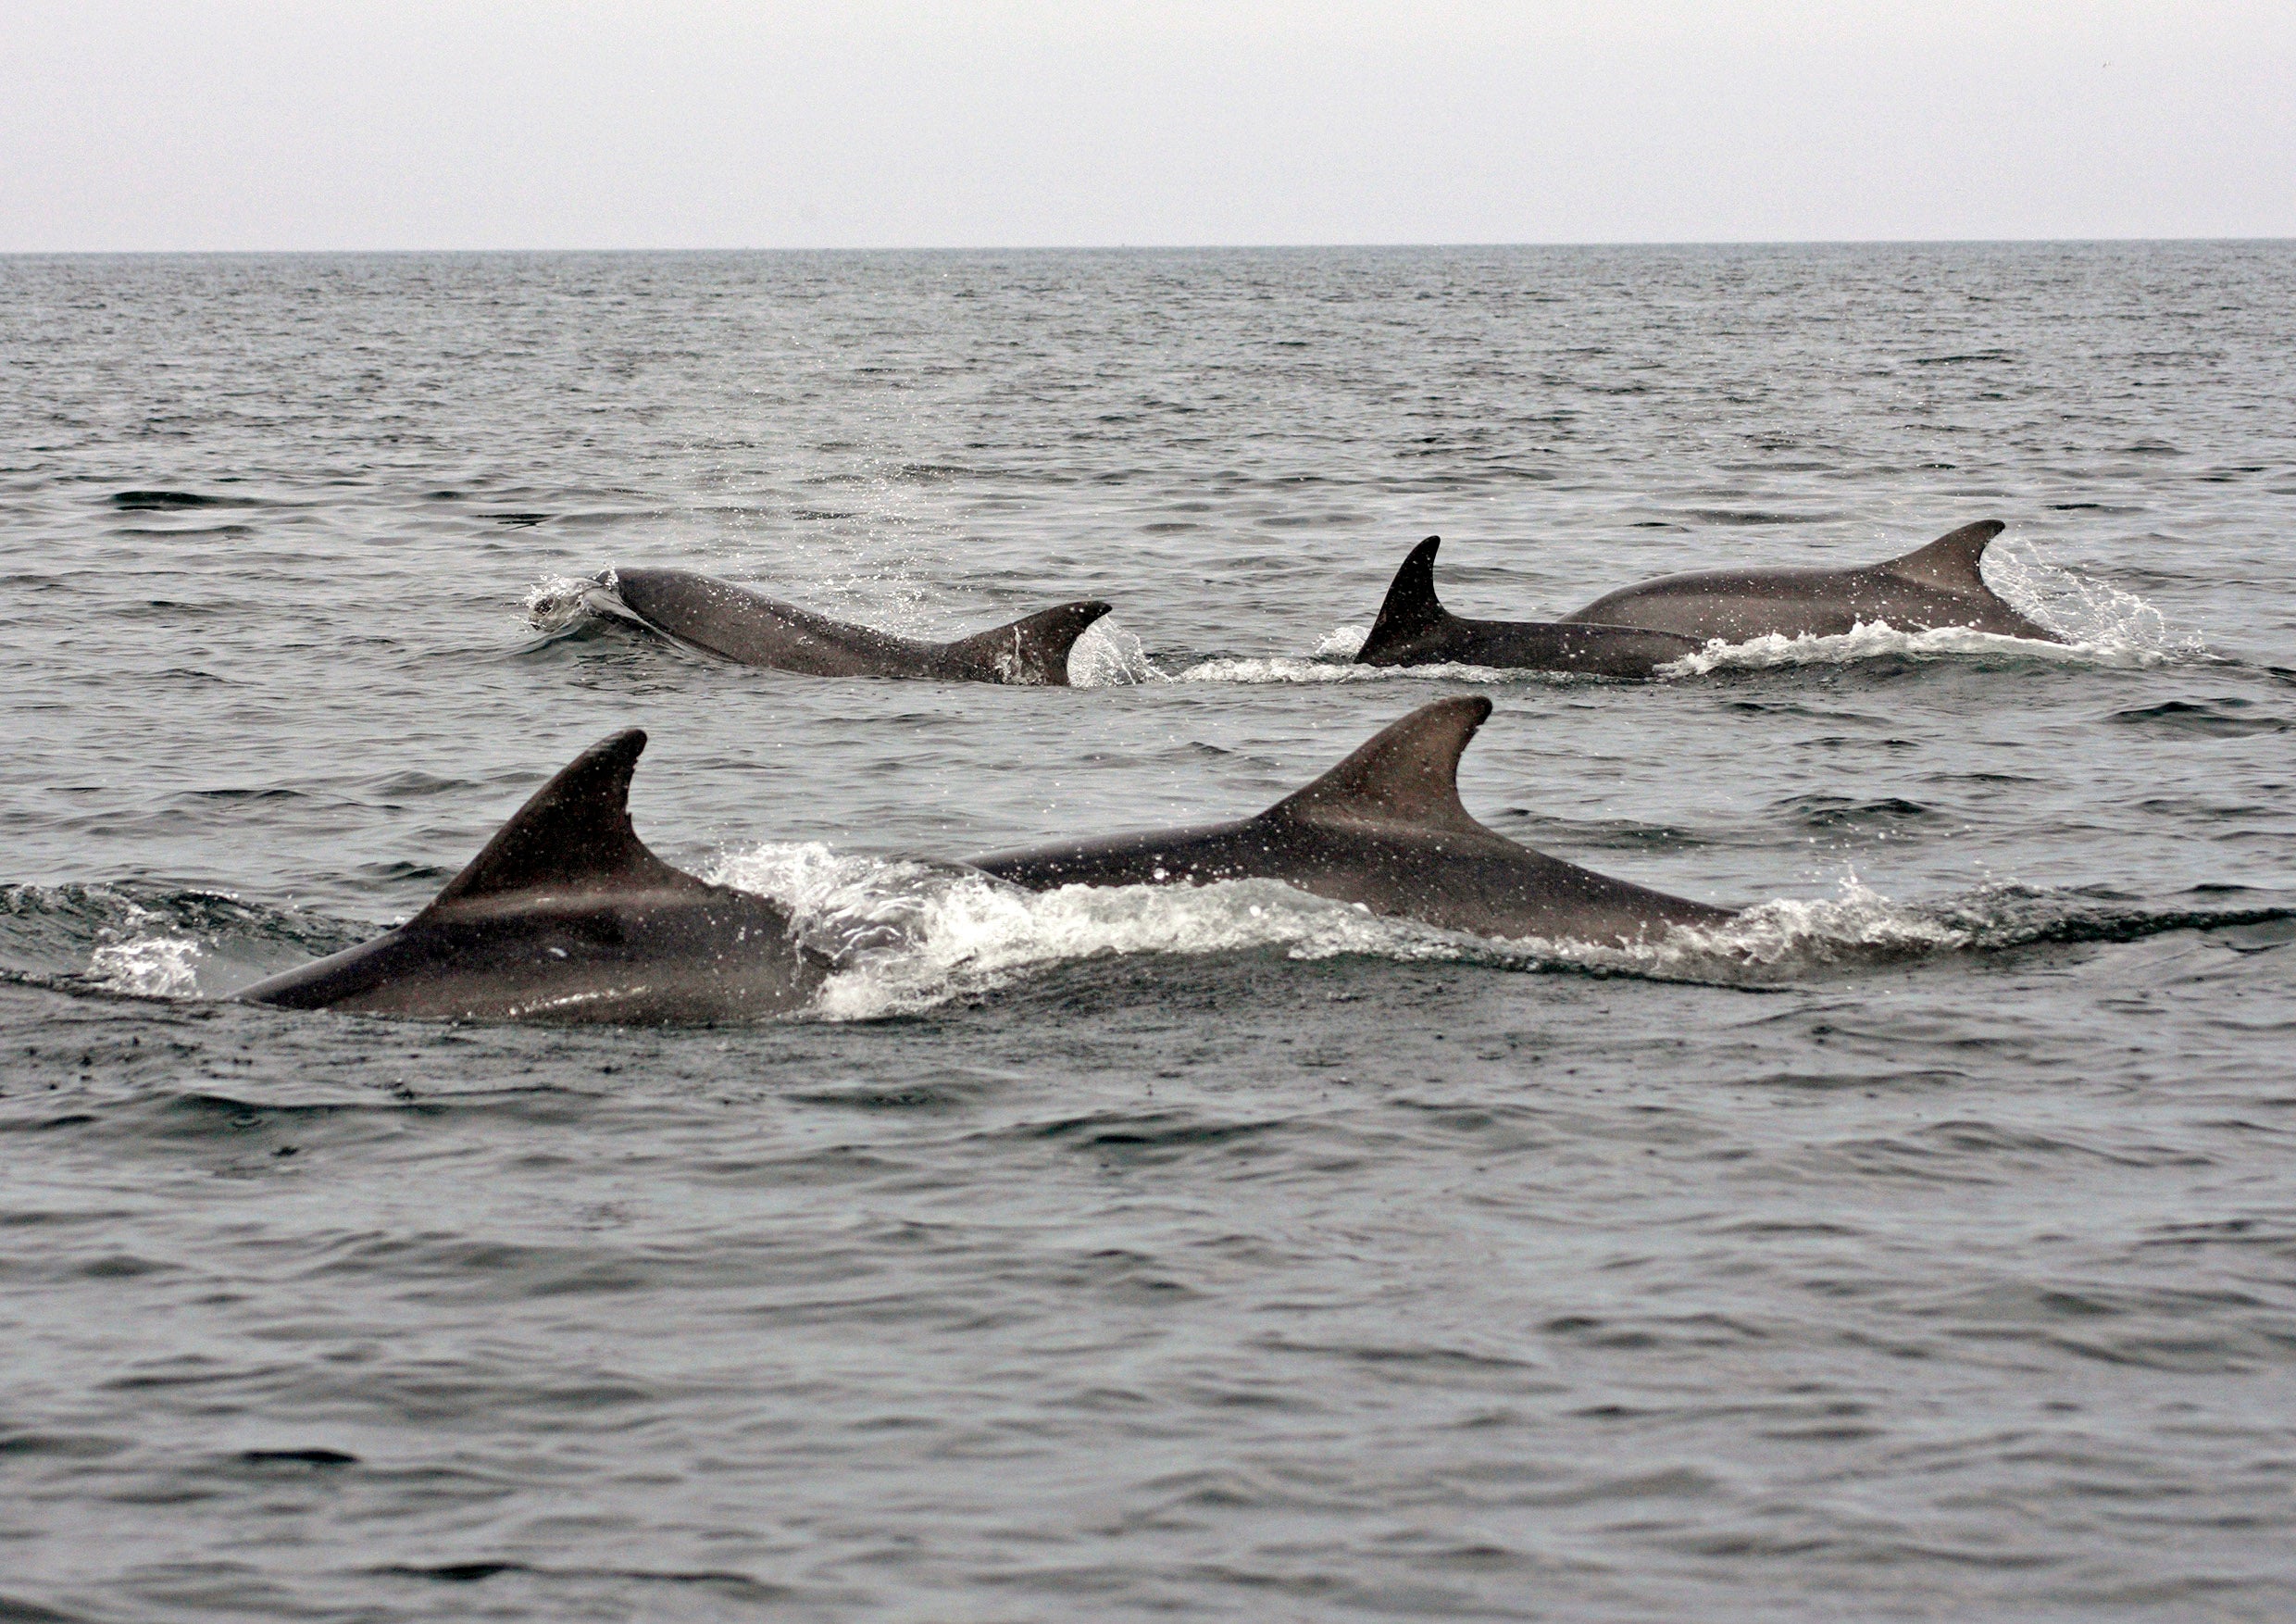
(1414, 629)
(1935, 586)
(755, 630)
(1385, 829)
(566, 916)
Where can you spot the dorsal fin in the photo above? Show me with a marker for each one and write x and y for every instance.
(1033, 649)
(1951, 560)
(1411, 607)
(574, 830)
(1408, 772)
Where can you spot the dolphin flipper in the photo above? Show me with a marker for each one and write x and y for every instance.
(1033, 650)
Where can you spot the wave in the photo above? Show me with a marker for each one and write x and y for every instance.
(142, 940)
(909, 936)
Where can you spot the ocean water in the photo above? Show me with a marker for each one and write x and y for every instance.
(1922, 1245)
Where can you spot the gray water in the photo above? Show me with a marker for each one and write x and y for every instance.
(1923, 1248)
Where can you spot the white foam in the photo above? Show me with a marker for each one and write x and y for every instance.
(1333, 661)
(147, 963)
(908, 936)
(1774, 940)
(1868, 638)
(1291, 668)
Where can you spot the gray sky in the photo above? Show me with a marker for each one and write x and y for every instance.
(242, 124)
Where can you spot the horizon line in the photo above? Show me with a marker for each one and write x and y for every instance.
(1173, 247)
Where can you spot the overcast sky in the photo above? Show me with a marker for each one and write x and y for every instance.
(478, 124)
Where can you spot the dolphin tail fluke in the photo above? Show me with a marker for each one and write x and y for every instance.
(574, 830)
(1033, 650)
(1951, 561)
(1408, 773)
(1411, 610)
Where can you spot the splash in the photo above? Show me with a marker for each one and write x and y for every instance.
(2119, 626)
(2102, 625)
(906, 937)
(557, 605)
(1332, 661)
(1109, 657)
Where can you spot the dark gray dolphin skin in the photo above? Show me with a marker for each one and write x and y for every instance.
(1937, 585)
(1386, 828)
(567, 917)
(1414, 629)
(755, 630)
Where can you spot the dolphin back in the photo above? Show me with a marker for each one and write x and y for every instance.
(566, 916)
(1938, 585)
(753, 629)
(1385, 830)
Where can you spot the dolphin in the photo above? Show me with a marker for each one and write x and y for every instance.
(755, 630)
(1384, 829)
(566, 916)
(1414, 629)
(1933, 586)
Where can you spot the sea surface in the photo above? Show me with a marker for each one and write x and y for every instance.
(1924, 1246)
